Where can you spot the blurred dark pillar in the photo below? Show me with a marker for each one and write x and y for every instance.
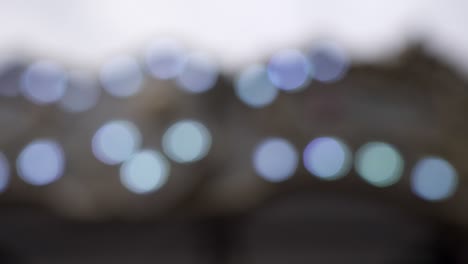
(8, 256)
(220, 238)
(447, 246)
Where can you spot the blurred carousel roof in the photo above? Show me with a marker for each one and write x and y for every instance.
(412, 102)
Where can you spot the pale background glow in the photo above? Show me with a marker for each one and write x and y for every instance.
(88, 31)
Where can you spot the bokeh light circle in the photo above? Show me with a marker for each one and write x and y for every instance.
(165, 59)
(433, 179)
(121, 76)
(41, 162)
(199, 74)
(254, 88)
(4, 172)
(186, 141)
(43, 82)
(379, 163)
(144, 172)
(289, 70)
(82, 93)
(330, 62)
(275, 159)
(327, 158)
(10, 76)
(116, 141)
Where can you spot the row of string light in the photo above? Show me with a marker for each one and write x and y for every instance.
(118, 142)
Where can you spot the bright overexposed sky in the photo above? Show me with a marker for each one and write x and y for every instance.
(86, 32)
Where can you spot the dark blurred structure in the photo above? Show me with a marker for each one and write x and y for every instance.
(217, 210)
